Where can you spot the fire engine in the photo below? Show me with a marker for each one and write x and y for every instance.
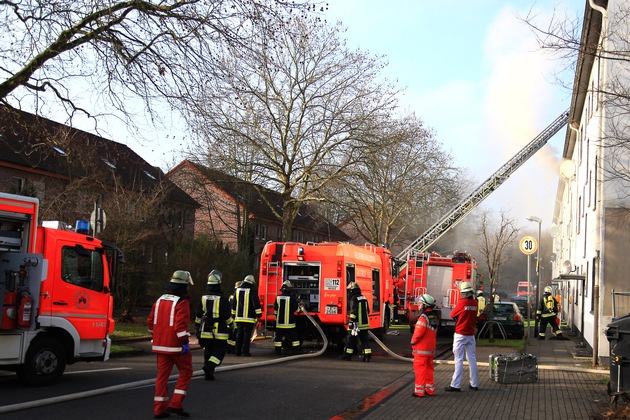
(437, 275)
(55, 297)
(320, 274)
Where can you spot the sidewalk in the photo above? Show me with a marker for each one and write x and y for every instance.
(567, 388)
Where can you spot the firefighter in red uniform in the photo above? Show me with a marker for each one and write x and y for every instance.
(423, 347)
(213, 322)
(168, 323)
(465, 315)
(286, 306)
(358, 325)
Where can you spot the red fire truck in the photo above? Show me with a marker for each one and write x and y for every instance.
(437, 275)
(55, 295)
(320, 274)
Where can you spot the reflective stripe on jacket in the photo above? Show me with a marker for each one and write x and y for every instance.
(168, 322)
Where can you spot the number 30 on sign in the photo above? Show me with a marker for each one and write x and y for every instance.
(528, 245)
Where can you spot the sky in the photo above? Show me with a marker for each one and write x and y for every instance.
(474, 73)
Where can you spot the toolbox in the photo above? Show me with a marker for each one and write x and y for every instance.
(516, 368)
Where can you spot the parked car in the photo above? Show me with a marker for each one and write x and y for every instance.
(522, 303)
(505, 313)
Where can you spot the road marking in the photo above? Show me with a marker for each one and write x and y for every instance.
(97, 370)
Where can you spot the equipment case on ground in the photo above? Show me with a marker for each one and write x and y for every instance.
(517, 368)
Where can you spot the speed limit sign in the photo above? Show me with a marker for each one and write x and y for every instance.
(528, 245)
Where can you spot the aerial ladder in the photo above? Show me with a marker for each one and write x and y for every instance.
(462, 209)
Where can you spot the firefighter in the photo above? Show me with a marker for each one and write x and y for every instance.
(168, 324)
(358, 324)
(481, 302)
(423, 347)
(213, 323)
(231, 341)
(246, 312)
(547, 313)
(285, 307)
(465, 315)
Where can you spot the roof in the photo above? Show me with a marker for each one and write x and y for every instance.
(36, 144)
(250, 195)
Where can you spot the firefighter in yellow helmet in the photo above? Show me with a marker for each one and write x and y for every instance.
(285, 307)
(481, 302)
(547, 313)
(358, 324)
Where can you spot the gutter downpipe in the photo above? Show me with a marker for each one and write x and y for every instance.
(600, 253)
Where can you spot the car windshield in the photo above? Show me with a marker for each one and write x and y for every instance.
(503, 309)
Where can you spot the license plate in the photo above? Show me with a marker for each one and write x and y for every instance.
(500, 318)
(331, 310)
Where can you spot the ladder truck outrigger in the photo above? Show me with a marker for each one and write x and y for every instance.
(421, 272)
(57, 306)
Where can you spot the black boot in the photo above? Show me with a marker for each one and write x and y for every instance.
(209, 373)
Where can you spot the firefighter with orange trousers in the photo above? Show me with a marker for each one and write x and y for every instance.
(423, 347)
(358, 324)
(168, 323)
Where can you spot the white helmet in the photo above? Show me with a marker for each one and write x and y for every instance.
(353, 285)
(465, 287)
(181, 277)
(427, 300)
(548, 289)
(249, 279)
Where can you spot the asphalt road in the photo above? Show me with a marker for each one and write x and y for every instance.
(319, 387)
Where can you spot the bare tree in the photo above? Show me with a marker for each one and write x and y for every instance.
(494, 240)
(400, 185)
(291, 115)
(54, 51)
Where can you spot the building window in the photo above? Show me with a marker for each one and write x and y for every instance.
(279, 233)
(263, 232)
(18, 185)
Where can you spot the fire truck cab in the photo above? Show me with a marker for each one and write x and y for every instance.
(56, 302)
(320, 274)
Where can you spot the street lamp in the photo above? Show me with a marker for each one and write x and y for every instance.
(538, 271)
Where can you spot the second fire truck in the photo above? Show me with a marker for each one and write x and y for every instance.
(320, 274)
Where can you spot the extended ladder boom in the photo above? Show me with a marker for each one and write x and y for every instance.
(484, 190)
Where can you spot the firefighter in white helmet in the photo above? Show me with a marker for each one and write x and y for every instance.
(246, 312)
(285, 307)
(481, 302)
(423, 347)
(213, 323)
(547, 313)
(168, 323)
(358, 324)
(465, 316)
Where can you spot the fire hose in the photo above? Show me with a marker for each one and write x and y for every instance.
(147, 382)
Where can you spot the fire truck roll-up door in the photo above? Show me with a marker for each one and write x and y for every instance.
(305, 280)
(440, 282)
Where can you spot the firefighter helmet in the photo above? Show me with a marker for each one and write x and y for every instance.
(237, 284)
(249, 279)
(353, 285)
(427, 300)
(214, 278)
(548, 289)
(181, 277)
(465, 287)
(216, 273)
(479, 292)
(286, 285)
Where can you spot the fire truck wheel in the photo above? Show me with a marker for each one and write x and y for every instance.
(45, 362)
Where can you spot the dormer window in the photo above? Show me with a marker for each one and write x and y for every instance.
(108, 163)
(60, 151)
